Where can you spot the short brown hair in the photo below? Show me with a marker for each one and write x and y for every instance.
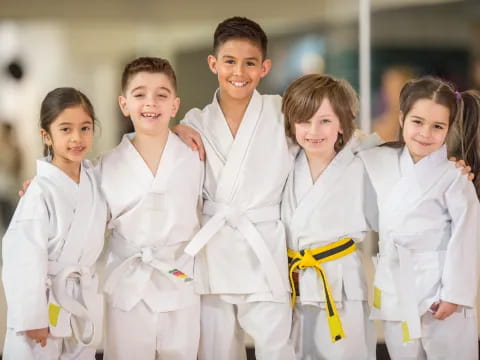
(304, 96)
(150, 65)
(240, 28)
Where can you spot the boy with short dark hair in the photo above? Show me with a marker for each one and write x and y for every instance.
(241, 262)
(152, 183)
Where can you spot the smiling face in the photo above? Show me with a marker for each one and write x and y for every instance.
(318, 135)
(70, 136)
(150, 101)
(239, 66)
(425, 128)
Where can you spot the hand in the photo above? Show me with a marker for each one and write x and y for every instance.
(190, 137)
(443, 309)
(38, 335)
(465, 169)
(25, 186)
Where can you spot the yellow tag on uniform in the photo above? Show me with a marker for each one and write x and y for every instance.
(377, 297)
(53, 313)
(405, 333)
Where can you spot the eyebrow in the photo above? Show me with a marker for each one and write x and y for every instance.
(233, 57)
(435, 122)
(143, 87)
(65, 123)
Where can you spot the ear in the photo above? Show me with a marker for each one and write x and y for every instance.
(47, 140)
(122, 102)
(212, 63)
(400, 119)
(266, 66)
(175, 107)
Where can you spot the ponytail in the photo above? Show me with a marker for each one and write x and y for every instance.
(464, 137)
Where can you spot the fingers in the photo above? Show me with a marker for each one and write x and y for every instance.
(25, 186)
(471, 176)
(452, 158)
(460, 163)
(466, 170)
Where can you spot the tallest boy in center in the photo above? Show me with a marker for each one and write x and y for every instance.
(241, 264)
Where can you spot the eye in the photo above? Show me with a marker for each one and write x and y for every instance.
(65, 129)
(163, 96)
(416, 121)
(251, 63)
(138, 95)
(231, 62)
(325, 121)
(438, 127)
(86, 128)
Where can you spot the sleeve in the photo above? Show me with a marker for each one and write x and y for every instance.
(460, 273)
(25, 264)
(191, 118)
(370, 203)
(365, 142)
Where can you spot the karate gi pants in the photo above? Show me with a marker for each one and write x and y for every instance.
(143, 334)
(311, 334)
(223, 326)
(455, 337)
(20, 347)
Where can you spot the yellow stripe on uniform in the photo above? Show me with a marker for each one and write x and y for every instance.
(314, 258)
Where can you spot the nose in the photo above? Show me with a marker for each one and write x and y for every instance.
(76, 135)
(426, 131)
(238, 69)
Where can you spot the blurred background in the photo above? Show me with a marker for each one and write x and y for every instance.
(85, 44)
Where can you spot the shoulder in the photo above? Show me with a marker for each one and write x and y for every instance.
(376, 154)
(273, 103)
(196, 117)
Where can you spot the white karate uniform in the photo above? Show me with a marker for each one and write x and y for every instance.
(152, 219)
(315, 215)
(241, 262)
(429, 231)
(49, 253)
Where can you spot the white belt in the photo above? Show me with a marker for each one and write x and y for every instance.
(243, 221)
(86, 321)
(407, 294)
(147, 255)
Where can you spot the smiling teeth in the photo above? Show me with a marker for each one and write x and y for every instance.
(314, 141)
(238, 83)
(149, 115)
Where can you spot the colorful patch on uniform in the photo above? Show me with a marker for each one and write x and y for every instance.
(53, 313)
(377, 297)
(405, 332)
(180, 274)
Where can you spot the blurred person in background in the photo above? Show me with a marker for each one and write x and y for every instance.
(10, 167)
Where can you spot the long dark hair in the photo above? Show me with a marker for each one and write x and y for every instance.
(463, 140)
(56, 101)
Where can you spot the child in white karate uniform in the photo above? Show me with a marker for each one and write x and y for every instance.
(54, 239)
(324, 209)
(427, 271)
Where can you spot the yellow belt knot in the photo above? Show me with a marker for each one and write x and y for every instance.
(314, 258)
(307, 260)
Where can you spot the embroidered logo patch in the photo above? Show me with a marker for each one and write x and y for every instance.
(53, 313)
(180, 274)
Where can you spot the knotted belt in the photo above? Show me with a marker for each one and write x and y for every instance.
(314, 258)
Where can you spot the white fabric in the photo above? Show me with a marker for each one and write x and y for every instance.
(243, 174)
(311, 334)
(152, 220)
(141, 334)
(429, 231)
(20, 347)
(58, 229)
(318, 214)
(222, 324)
(456, 337)
(153, 217)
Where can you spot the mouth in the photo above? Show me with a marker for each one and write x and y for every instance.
(77, 149)
(150, 115)
(422, 143)
(314, 141)
(239, 84)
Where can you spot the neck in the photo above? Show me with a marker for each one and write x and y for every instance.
(318, 163)
(233, 110)
(150, 147)
(71, 168)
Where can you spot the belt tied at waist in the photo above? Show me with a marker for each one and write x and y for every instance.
(314, 258)
(243, 222)
(86, 316)
(135, 254)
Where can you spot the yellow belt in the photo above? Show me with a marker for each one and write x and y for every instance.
(314, 258)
